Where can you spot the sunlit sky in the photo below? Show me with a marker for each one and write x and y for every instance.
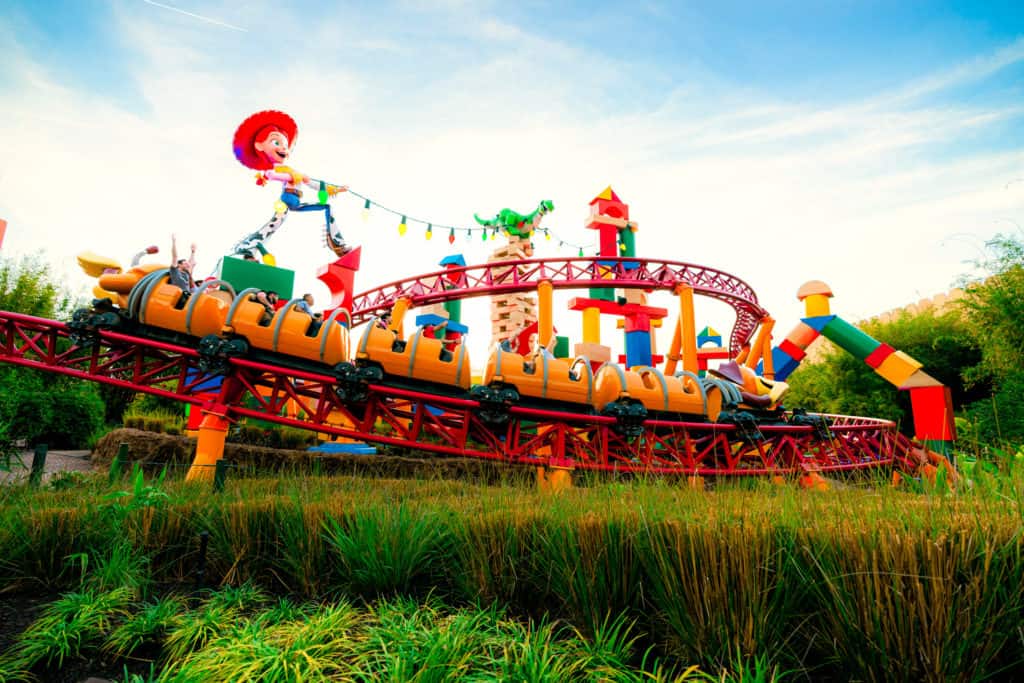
(873, 145)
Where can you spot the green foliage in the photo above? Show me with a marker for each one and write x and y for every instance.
(750, 581)
(141, 495)
(843, 384)
(194, 630)
(996, 307)
(146, 627)
(27, 286)
(39, 407)
(74, 624)
(259, 433)
(9, 450)
(150, 404)
(999, 419)
(386, 549)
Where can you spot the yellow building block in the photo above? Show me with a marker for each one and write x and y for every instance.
(816, 305)
(897, 368)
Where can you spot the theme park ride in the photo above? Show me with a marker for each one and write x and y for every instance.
(355, 373)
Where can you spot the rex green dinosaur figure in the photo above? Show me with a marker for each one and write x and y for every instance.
(517, 223)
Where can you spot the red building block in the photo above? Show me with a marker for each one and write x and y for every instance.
(339, 277)
(875, 358)
(792, 350)
(933, 413)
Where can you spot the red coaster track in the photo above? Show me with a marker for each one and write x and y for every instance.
(448, 425)
(573, 273)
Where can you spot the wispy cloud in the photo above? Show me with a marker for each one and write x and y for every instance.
(200, 17)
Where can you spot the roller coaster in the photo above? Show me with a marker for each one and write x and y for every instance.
(416, 391)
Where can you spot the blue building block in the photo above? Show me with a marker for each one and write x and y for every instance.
(638, 348)
(208, 386)
(818, 322)
(453, 260)
(632, 265)
(703, 339)
(783, 363)
(433, 319)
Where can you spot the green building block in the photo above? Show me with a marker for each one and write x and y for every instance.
(850, 339)
(628, 239)
(244, 274)
(561, 347)
(454, 309)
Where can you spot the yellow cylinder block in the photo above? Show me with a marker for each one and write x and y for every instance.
(816, 305)
(591, 326)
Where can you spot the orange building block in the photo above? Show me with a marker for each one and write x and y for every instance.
(897, 368)
(802, 335)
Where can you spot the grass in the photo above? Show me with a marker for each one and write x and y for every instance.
(751, 580)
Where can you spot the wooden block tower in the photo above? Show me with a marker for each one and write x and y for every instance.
(511, 313)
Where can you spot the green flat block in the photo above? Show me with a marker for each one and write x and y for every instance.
(244, 274)
(605, 293)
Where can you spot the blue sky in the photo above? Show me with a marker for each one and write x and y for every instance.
(870, 144)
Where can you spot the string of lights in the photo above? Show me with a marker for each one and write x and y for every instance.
(486, 233)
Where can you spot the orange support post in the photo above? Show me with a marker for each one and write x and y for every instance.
(213, 431)
(687, 329)
(763, 341)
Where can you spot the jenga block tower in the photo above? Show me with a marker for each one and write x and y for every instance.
(511, 313)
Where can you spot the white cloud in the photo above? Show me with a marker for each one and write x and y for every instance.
(864, 194)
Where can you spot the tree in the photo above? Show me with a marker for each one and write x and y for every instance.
(39, 406)
(995, 308)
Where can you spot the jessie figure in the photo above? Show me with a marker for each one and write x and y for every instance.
(263, 143)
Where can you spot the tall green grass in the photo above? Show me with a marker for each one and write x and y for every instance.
(859, 582)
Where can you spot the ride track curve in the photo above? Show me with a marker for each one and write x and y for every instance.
(523, 275)
(446, 425)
